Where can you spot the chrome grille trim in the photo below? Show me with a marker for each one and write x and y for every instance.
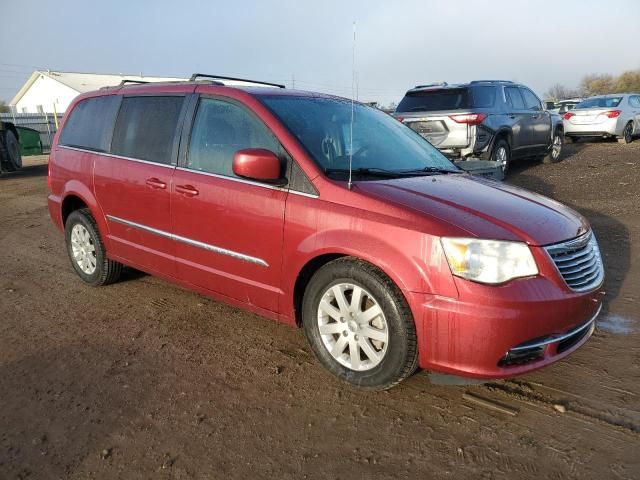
(579, 262)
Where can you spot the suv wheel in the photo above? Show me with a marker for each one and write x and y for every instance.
(86, 250)
(556, 149)
(627, 134)
(359, 325)
(502, 155)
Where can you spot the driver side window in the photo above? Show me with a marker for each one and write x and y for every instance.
(219, 130)
(531, 102)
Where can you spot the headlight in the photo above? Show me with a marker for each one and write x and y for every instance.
(488, 261)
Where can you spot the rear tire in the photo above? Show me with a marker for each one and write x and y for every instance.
(372, 352)
(502, 154)
(556, 149)
(627, 134)
(86, 251)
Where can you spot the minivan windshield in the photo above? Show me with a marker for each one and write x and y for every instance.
(600, 102)
(381, 146)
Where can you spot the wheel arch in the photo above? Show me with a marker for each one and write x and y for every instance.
(76, 195)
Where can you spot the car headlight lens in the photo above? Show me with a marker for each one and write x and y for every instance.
(488, 261)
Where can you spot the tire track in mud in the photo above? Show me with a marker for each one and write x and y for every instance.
(526, 392)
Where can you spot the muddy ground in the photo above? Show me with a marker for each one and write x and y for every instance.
(143, 379)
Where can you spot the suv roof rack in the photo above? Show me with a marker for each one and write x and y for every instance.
(491, 81)
(195, 76)
(438, 84)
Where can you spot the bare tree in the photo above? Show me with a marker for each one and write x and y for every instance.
(628, 82)
(598, 84)
(561, 92)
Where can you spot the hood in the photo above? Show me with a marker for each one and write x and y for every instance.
(482, 208)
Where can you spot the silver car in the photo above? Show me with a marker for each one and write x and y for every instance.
(616, 115)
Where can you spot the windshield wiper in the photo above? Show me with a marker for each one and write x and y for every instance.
(431, 170)
(373, 172)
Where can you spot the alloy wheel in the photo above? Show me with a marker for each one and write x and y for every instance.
(556, 148)
(501, 157)
(628, 133)
(83, 249)
(353, 326)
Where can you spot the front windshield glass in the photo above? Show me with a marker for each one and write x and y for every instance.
(381, 144)
(600, 102)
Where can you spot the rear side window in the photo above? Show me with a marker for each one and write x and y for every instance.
(146, 128)
(531, 102)
(434, 100)
(484, 97)
(90, 124)
(220, 129)
(514, 98)
(634, 101)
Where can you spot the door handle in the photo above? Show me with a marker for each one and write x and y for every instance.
(512, 116)
(187, 190)
(155, 183)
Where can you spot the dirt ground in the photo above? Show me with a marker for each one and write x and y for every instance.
(143, 379)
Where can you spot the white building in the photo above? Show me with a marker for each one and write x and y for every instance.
(48, 91)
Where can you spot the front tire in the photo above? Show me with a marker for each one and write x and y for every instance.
(12, 146)
(627, 134)
(359, 325)
(86, 251)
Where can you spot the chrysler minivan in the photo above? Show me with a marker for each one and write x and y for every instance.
(325, 214)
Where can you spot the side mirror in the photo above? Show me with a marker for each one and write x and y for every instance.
(258, 164)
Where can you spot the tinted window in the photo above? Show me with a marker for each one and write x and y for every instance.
(634, 101)
(433, 100)
(531, 102)
(323, 127)
(146, 127)
(600, 102)
(514, 98)
(91, 123)
(221, 129)
(484, 97)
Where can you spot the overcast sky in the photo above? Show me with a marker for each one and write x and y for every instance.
(398, 44)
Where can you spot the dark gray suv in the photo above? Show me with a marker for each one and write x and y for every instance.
(487, 119)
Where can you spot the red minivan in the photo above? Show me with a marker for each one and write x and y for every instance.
(328, 215)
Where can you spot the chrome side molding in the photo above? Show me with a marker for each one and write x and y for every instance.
(189, 241)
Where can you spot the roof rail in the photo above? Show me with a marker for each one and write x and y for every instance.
(491, 81)
(440, 84)
(195, 76)
(126, 80)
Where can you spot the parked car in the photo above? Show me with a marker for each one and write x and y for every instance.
(487, 119)
(294, 206)
(605, 116)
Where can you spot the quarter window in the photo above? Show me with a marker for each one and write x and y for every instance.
(531, 102)
(514, 98)
(146, 128)
(221, 129)
(90, 124)
(635, 101)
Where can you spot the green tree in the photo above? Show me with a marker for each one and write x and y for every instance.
(4, 108)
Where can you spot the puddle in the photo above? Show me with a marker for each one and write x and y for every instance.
(616, 324)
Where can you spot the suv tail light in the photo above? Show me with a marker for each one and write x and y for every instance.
(469, 118)
(612, 113)
(568, 115)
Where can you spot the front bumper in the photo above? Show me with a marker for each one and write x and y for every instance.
(504, 331)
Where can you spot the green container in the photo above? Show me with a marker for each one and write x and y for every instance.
(30, 143)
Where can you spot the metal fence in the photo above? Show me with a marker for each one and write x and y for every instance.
(44, 123)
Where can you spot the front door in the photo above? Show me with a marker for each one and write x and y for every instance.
(133, 182)
(228, 230)
(540, 122)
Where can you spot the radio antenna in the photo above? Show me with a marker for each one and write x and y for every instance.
(353, 86)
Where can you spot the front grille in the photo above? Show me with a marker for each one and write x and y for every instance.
(579, 262)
